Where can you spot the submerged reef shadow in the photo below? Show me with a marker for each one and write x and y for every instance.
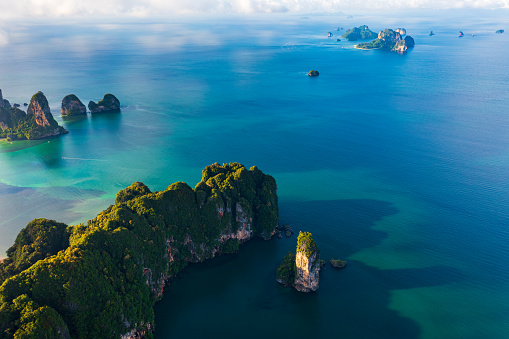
(343, 228)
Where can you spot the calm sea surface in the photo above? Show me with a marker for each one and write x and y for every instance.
(396, 163)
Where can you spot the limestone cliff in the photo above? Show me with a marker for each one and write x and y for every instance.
(37, 123)
(307, 262)
(301, 270)
(109, 104)
(106, 282)
(39, 107)
(71, 106)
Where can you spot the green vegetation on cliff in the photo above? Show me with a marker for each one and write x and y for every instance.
(306, 244)
(101, 280)
(286, 272)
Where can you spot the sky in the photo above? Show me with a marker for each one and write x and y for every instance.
(11, 10)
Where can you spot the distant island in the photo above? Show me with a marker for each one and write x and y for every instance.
(102, 279)
(500, 31)
(391, 40)
(313, 73)
(108, 104)
(36, 123)
(359, 33)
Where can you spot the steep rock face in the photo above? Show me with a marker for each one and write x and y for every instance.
(71, 106)
(39, 107)
(109, 104)
(307, 262)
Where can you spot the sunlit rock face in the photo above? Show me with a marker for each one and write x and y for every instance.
(307, 261)
(40, 108)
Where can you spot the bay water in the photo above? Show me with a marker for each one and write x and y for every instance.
(396, 163)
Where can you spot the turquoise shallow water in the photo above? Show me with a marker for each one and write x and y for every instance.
(396, 163)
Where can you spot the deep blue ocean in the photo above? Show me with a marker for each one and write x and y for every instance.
(396, 163)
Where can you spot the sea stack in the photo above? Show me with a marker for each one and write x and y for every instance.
(72, 106)
(40, 108)
(109, 104)
(307, 262)
(301, 270)
(313, 73)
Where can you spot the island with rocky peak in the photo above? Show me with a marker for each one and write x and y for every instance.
(390, 40)
(101, 279)
(359, 33)
(36, 123)
(108, 104)
(301, 270)
(72, 106)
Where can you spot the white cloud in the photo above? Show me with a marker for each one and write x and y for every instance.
(148, 8)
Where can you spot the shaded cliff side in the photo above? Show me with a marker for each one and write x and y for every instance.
(105, 282)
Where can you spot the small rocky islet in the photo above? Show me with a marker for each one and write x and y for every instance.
(301, 270)
(38, 122)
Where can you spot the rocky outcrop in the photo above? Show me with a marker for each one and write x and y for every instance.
(39, 107)
(313, 73)
(72, 106)
(301, 270)
(500, 31)
(109, 104)
(307, 262)
(138, 333)
(338, 263)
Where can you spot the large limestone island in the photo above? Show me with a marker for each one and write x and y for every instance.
(102, 279)
(36, 123)
(359, 33)
(390, 40)
(301, 270)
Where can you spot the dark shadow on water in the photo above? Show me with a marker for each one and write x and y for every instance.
(237, 295)
(111, 121)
